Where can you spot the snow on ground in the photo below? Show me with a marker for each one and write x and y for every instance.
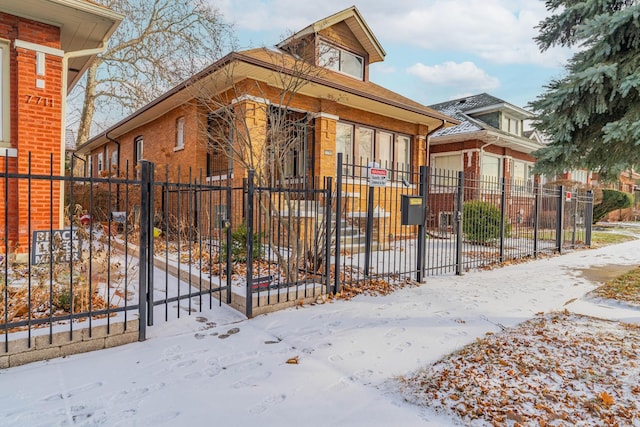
(217, 367)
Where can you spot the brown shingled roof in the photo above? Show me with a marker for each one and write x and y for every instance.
(285, 62)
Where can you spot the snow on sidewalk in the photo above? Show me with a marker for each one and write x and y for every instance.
(350, 355)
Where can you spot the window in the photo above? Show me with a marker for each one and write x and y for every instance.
(219, 138)
(513, 126)
(522, 175)
(100, 162)
(138, 149)
(361, 145)
(444, 170)
(179, 133)
(4, 94)
(579, 176)
(384, 149)
(364, 148)
(403, 157)
(490, 172)
(337, 59)
(114, 162)
(450, 162)
(344, 143)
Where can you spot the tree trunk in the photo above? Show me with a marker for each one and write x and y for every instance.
(88, 106)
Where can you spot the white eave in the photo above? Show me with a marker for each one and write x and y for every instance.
(83, 25)
(517, 112)
(499, 139)
(352, 17)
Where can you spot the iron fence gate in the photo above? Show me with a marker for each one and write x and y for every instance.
(185, 245)
(372, 240)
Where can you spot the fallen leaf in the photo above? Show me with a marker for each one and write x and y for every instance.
(293, 360)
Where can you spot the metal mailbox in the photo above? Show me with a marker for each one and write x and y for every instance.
(412, 210)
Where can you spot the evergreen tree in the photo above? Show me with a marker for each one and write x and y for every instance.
(592, 114)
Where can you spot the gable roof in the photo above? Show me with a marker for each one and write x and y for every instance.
(463, 109)
(84, 26)
(269, 66)
(352, 17)
(470, 127)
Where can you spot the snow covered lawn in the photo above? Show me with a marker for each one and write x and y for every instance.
(554, 370)
(218, 368)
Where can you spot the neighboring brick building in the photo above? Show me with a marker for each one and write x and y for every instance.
(45, 47)
(489, 142)
(488, 145)
(341, 109)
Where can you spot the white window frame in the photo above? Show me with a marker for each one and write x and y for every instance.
(580, 176)
(5, 108)
(100, 162)
(444, 179)
(179, 134)
(351, 150)
(114, 161)
(522, 183)
(139, 152)
(327, 59)
(491, 182)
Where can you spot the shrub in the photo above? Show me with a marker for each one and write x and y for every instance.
(481, 222)
(611, 200)
(239, 245)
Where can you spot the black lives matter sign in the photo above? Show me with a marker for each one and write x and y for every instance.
(55, 246)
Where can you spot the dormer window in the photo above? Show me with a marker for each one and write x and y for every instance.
(513, 125)
(337, 59)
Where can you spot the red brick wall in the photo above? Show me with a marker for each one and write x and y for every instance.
(36, 122)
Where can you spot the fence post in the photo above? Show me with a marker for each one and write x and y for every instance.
(560, 219)
(250, 205)
(459, 219)
(422, 231)
(575, 220)
(327, 241)
(536, 217)
(146, 256)
(503, 204)
(336, 286)
(369, 232)
(588, 218)
(228, 226)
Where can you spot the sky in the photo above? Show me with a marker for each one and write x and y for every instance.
(218, 368)
(437, 50)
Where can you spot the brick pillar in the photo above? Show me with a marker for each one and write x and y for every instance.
(325, 155)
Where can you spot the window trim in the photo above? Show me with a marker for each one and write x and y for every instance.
(353, 159)
(138, 153)
(5, 100)
(179, 142)
(339, 67)
(100, 162)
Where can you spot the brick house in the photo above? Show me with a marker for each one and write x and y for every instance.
(45, 47)
(489, 144)
(340, 108)
(489, 141)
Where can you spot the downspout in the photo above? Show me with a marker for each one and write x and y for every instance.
(117, 169)
(63, 108)
(428, 140)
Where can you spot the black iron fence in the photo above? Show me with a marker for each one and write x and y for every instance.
(464, 222)
(120, 253)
